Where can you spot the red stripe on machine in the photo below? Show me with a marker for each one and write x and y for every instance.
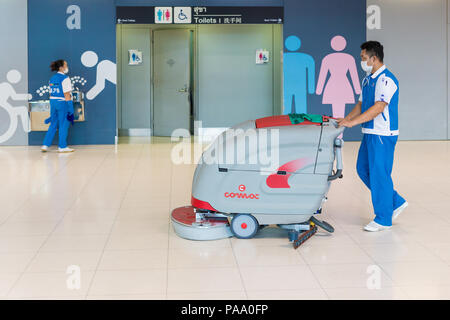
(201, 204)
(276, 180)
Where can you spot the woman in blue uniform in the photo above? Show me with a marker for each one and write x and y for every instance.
(61, 106)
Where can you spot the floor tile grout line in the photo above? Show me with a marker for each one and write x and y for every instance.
(432, 213)
(43, 243)
(359, 246)
(29, 196)
(401, 287)
(168, 232)
(49, 235)
(239, 268)
(415, 242)
(353, 240)
(114, 223)
(168, 238)
(321, 265)
(378, 264)
(423, 246)
(316, 278)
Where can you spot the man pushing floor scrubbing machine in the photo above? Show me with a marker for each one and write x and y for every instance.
(240, 197)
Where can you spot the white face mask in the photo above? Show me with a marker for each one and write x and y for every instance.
(66, 71)
(366, 67)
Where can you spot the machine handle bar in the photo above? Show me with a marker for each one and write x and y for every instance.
(338, 143)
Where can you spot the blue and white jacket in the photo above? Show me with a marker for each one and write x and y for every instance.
(381, 86)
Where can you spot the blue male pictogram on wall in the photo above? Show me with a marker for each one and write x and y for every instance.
(299, 76)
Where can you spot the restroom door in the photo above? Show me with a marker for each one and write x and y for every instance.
(171, 81)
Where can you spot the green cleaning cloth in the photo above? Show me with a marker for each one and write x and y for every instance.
(297, 118)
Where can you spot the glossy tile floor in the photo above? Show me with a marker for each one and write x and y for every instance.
(103, 213)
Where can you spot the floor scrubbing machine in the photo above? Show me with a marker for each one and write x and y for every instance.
(239, 196)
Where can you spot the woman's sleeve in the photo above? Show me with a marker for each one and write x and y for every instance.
(66, 85)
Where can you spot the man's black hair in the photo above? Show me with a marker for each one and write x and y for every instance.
(373, 48)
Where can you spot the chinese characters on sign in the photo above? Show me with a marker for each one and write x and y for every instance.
(203, 16)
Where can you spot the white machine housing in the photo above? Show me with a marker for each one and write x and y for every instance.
(288, 193)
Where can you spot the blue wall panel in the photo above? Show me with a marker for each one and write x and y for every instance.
(50, 39)
(316, 23)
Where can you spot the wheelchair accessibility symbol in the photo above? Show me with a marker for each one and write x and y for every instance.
(17, 114)
(182, 15)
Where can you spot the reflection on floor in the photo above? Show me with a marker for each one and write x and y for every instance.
(104, 210)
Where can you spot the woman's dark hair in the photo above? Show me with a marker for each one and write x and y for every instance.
(373, 48)
(55, 65)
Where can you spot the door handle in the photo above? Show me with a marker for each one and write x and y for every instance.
(185, 89)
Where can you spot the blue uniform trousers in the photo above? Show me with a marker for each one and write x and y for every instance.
(58, 120)
(374, 167)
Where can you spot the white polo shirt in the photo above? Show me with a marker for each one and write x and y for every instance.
(381, 86)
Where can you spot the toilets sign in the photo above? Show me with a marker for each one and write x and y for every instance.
(199, 15)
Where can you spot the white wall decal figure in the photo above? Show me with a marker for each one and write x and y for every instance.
(7, 91)
(75, 80)
(106, 70)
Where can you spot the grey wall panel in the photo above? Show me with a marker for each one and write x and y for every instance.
(232, 87)
(414, 35)
(134, 92)
(13, 56)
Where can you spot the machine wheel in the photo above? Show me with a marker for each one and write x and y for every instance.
(324, 225)
(244, 226)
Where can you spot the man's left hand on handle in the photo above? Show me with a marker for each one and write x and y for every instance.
(346, 123)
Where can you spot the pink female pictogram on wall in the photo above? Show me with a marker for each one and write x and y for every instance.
(338, 90)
